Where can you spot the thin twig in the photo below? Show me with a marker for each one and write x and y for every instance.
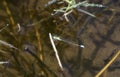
(55, 50)
(108, 64)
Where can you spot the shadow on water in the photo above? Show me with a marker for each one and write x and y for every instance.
(87, 63)
(99, 44)
(105, 38)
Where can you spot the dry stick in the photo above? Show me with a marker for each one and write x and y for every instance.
(108, 64)
(55, 50)
(57, 56)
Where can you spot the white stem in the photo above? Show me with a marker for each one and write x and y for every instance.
(55, 50)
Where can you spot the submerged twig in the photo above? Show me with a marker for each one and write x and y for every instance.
(7, 44)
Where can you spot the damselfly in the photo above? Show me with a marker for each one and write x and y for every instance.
(67, 41)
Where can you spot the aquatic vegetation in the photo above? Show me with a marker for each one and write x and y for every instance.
(72, 4)
(81, 47)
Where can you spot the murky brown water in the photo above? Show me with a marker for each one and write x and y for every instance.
(24, 43)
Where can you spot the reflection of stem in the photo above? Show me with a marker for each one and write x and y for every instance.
(9, 13)
(108, 64)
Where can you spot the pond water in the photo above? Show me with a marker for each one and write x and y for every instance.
(85, 34)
